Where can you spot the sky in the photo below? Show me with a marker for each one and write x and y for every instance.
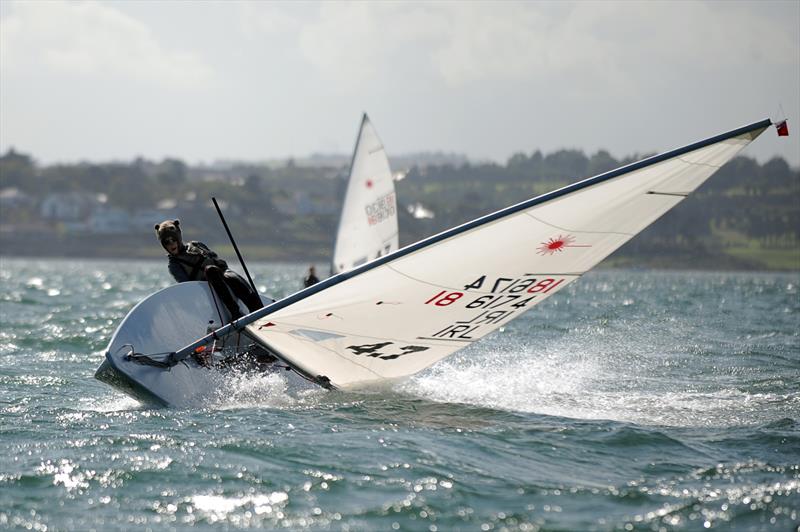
(254, 81)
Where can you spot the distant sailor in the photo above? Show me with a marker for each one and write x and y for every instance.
(196, 262)
(311, 278)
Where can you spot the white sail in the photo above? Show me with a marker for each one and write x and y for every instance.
(401, 313)
(368, 223)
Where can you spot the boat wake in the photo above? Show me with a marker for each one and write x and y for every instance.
(578, 382)
(269, 390)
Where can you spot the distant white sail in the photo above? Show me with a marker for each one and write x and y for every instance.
(368, 223)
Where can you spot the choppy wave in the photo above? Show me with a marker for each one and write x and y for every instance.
(633, 400)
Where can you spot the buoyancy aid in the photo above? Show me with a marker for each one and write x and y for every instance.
(194, 257)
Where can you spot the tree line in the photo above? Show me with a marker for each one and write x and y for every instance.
(746, 216)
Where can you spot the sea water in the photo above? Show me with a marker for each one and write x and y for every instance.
(631, 400)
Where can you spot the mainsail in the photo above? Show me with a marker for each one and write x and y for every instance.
(399, 314)
(368, 223)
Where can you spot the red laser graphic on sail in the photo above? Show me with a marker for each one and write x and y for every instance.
(558, 244)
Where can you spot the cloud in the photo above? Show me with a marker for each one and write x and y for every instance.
(270, 18)
(606, 42)
(449, 43)
(699, 34)
(92, 39)
(486, 78)
(357, 43)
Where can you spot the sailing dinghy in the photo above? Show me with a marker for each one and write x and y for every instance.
(180, 313)
(368, 222)
(175, 316)
(399, 314)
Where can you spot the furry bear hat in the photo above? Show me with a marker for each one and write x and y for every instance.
(169, 228)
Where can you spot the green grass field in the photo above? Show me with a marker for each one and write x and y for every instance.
(771, 258)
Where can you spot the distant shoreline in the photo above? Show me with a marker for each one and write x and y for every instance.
(145, 248)
(136, 247)
(609, 264)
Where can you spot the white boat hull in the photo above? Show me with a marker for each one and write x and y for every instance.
(162, 322)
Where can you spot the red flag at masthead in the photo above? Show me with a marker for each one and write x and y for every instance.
(783, 128)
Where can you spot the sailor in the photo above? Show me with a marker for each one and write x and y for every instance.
(311, 278)
(194, 261)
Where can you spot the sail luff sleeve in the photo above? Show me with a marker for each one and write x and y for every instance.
(364, 122)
